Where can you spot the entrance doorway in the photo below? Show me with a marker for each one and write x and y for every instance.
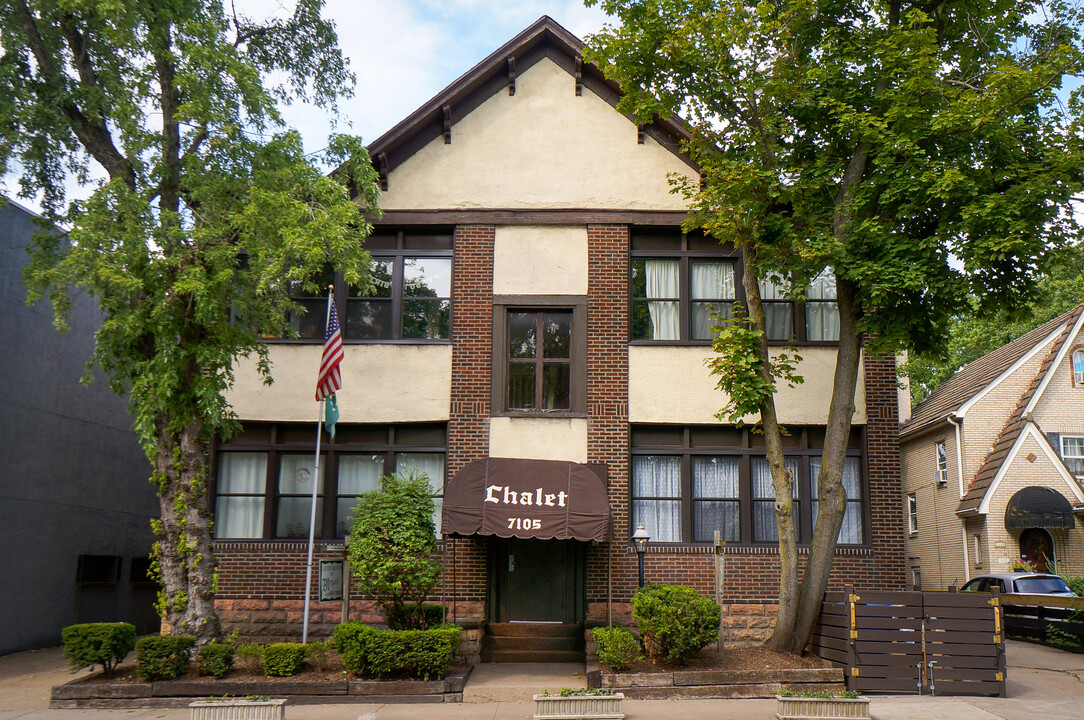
(536, 581)
(1037, 547)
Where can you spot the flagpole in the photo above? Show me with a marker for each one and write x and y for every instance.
(315, 487)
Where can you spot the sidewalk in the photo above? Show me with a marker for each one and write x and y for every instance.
(1042, 683)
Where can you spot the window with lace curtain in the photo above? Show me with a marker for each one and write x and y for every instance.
(688, 483)
(682, 285)
(265, 476)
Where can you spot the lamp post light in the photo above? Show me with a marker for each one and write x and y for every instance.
(639, 539)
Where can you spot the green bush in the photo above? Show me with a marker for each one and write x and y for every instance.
(105, 644)
(617, 647)
(675, 621)
(351, 639)
(164, 657)
(215, 659)
(249, 658)
(321, 655)
(413, 616)
(421, 654)
(283, 659)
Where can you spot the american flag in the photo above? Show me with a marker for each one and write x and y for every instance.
(330, 379)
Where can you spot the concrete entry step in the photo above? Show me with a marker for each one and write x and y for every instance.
(517, 682)
(533, 642)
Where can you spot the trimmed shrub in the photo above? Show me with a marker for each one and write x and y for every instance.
(413, 616)
(321, 655)
(215, 659)
(283, 659)
(421, 654)
(351, 639)
(249, 658)
(675, 621)
(617, 647)
(164, 657)
(105, 644)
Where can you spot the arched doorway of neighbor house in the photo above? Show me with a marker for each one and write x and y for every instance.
(1037, 548)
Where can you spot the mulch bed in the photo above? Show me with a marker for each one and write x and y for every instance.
(738, 658)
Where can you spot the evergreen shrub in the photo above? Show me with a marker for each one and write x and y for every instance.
(617, 647)
(105, 644)
(320, 655)
(249, 658)
(283, 659)
(164, 657)
(675, 621)
(423, 654)
(215, 659)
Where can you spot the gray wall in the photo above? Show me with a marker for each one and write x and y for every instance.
(73, 479)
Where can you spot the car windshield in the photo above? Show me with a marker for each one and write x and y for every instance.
(1041, 585)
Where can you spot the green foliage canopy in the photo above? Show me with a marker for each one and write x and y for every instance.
(208, 217)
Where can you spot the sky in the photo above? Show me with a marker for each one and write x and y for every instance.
(403, 52)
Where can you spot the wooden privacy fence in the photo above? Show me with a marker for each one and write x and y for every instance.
(936, 643)
(1048, 619)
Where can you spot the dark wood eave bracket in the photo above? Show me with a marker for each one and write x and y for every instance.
(545, 38)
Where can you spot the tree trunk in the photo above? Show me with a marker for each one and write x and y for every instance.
(782, 478)
(185, 555)
(832, 499)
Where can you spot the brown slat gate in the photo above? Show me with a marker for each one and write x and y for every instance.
(914, 642)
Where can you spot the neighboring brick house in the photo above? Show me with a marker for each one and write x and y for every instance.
(993, 459)
(538, 301)
(75, 499)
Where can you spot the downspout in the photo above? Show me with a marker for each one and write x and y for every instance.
(956, 423)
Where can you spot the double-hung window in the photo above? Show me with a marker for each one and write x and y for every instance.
(412, 298)
(1072, 452)
(265, 476)
(942, 462)
(912, 513)
(1078, 368)
(688, 483)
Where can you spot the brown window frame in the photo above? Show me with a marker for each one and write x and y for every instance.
(278, 439)
(503, 305)
(659, 244)
(804, 444)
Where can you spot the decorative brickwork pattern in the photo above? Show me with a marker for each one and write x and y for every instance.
(464, 559)
(608, 402)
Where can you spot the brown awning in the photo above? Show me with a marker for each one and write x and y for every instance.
(1038, 507)
(542, 499)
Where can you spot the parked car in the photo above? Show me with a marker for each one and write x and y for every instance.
(1023, 583)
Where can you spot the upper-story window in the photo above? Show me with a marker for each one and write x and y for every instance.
(310, 322)
(942, 462)
(912, 513)
(1072, 452)
(412, 275)
(1078, 367)
(680, 284)
(539, 356)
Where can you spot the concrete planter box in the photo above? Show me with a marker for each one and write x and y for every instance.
(579, 707)
(238, 709)
(812, 708)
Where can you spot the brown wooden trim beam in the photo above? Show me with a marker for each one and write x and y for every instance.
(513, 216)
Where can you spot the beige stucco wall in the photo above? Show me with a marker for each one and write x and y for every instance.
(536, 260)
(937, 546)
(539, 438)
(544, 147)
(381, 383)
(1005, 544)
(670, 384)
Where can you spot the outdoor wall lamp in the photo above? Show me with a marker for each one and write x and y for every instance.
(639, 540)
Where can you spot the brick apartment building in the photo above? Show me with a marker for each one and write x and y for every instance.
(538, 301)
